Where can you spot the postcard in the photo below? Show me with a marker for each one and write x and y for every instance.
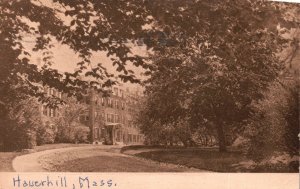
(149, 94)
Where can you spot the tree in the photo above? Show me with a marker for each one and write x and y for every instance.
(205, 35)
(94, 26)
(291, 115)
(216, 58)
(274, 125)
(68, 126)
(85, 26)
(45, 134)
(18, 129)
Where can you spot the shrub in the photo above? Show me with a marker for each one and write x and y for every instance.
(275, 126)
(20, 125)
(74, 133)
(68, 127)
(291, 116)
(45, 134)
(81, 134)
(64, 133)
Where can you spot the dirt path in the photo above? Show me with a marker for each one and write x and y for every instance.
(31, 162)
(90, 159)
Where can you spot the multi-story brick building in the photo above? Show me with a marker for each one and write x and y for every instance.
(48, 113)
(111, 119)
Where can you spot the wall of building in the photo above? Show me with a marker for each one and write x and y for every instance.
(113, 115)
(104, 115)
(48, 113)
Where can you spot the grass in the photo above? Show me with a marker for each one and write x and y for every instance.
(6, 158)
(138, 147)
(111, 164)
(101, 160)
(278, 168)
(207, 159)
(56, 146)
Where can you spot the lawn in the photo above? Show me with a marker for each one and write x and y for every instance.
(111, 164)
(207, 159)
(6, 158)
(100, 159)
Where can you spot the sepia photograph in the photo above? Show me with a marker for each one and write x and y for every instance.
(148, 86)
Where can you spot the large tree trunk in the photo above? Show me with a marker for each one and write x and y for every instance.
(221, 137)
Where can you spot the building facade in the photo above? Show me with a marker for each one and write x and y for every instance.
(48, 113)
(112, 118)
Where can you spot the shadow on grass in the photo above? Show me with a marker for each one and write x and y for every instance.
(207, 159)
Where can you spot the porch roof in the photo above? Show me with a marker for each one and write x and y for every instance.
(113, 125)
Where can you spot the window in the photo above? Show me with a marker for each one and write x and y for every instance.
(109, 102)
(123, 106)
(121, 93)
(87, 100)
(117, 104)
(97, 133)
(86, 117)
(116, 118)
(102, 101)
(52, 113)
(45, 112)
(116, 91)
(110, 118)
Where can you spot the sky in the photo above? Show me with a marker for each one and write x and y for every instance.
(65, 59)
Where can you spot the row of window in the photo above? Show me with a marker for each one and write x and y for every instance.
(110, 103)
(128, 138)
(131, 138)
(118, 92)
(50, 112)
(110, 118)
(135, 138)
(50, 92)
(113, 103)
(115, 118)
